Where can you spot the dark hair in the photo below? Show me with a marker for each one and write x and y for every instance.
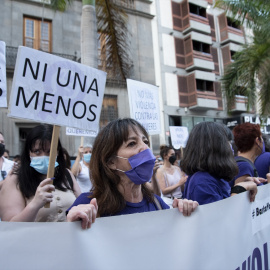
(6, 150)
(104, 180)
(245, 135)
(67, 158)
(208, 150)
(29, 178)
(164, 150)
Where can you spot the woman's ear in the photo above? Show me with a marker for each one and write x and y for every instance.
(111, 164)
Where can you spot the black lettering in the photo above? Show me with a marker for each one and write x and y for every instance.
(66, 111)
(94, 115)
(58, 75)
(1, 92)
(94, 89)
(36, 93)
(74, 84)
(74, 107)
(256, 256)
(265, 252)
(45, 101)
(27, 60)
(44, 72)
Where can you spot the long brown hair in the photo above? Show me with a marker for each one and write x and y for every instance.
(104, 180)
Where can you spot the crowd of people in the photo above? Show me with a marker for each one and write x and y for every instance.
(120, 175)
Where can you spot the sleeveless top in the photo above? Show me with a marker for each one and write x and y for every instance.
(172, 179)
(57, 212)
(83, 178)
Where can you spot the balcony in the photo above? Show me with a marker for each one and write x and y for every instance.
(199, 24)
(240, 104)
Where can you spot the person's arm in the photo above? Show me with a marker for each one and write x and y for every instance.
(76, 187)
(245, 186)
(162, 182)
(76, 167)
(12, 202)
(87, 213)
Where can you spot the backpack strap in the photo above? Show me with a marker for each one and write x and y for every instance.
(241, 159)
(157, 203)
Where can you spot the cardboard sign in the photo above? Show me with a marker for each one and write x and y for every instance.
(80, 132)
(3, 79)
(179, 136)
(144, 105)
(53, 90)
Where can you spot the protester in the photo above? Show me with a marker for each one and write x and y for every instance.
(6, 154)
(121, 165)
(5, 164)
(262, 162)
(170, 178)
(249, 142)
(80, 168)
(23, 195)
(210, 164)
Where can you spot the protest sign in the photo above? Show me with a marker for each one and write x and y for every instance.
(80, 132)
(144, 105)
(179, 136)
(54, 90)
(3, 82)
(218, 235)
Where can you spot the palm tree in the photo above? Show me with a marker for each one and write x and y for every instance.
(248, 74)
(106, 20)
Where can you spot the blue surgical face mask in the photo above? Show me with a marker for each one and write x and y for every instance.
(142, 165)
(41, 164)
(87, 157)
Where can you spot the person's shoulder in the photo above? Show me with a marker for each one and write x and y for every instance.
(7, 161)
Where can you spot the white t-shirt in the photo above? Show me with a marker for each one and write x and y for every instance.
(83, 178)
(6, 167)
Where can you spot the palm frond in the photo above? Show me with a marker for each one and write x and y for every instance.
(60, 5)
(112, 22)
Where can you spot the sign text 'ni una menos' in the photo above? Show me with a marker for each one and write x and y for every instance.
(50, 89)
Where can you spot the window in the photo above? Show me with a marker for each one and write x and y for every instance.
(203, 85)
(109, 110)
(37, 34)
(197, 10)
(234, 24)
(200, 47)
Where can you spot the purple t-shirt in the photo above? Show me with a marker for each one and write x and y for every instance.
(204, 188)
(262, 164)
(131, 208)
(244, 169)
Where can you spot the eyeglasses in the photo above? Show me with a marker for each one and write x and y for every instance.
(3, 174)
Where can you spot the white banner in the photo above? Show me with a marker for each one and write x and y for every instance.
(3, 79)
(54, 90)
(144, 105)
(217, 236)
(179, 136)
(80, 132)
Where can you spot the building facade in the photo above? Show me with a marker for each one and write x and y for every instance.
(33, 23)
(195, 42)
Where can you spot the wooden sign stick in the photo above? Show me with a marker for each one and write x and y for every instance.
(53, 154)
(82, 141)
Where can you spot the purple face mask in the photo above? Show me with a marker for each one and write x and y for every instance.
(142, 165)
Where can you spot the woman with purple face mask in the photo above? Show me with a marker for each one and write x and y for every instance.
(120, 167)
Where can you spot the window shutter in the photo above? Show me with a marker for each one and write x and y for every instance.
(212, 26)
(223, 27)
(183, 91)
(185, 14)
(226, 55)
(192, 91)
(215, 59)
(176, 15)
(217, 87)
(188, 51)
(180, 53)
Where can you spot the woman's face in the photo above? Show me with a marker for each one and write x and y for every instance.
(171, 152)
(87, 150)
(37, 150)
(136, 143)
